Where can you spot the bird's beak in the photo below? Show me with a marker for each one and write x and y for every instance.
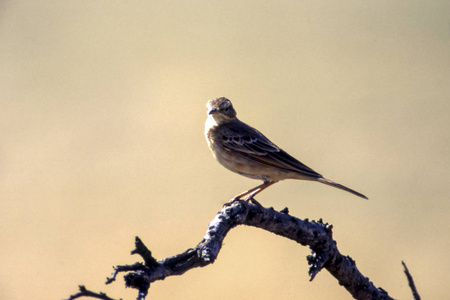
(212, 111)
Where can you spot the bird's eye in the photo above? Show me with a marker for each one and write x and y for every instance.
(227, 109)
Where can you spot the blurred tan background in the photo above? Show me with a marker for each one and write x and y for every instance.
(102, 108)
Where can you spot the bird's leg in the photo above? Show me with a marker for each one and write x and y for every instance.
(248, 195)
(253, 192)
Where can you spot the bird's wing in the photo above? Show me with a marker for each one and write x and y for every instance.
(245, 140)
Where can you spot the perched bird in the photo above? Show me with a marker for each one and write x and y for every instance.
(244, 150)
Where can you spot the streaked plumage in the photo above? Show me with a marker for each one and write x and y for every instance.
(246, 151)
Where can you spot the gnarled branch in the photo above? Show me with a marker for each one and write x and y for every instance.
(316, 235)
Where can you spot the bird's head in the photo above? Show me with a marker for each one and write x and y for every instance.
(221, 109)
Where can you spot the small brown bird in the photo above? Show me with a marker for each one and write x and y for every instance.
(244, 150)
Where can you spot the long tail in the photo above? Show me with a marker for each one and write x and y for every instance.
(340, 186)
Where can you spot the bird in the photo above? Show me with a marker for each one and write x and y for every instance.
(244, 150)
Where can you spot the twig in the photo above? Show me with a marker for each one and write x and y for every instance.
(145, 253)
(87, 293)
(411, 282)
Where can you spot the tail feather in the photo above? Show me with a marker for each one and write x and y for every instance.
(340, 186)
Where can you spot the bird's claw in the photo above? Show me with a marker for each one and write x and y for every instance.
(253, 200)
(248, 199)
(233, 200)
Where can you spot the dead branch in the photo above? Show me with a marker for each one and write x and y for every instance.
(315, 234)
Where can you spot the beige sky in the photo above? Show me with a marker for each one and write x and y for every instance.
(102, 106)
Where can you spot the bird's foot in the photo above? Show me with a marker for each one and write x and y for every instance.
(253, 200)
(247, 198)
(233, 200)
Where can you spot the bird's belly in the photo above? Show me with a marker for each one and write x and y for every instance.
(248, 168)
